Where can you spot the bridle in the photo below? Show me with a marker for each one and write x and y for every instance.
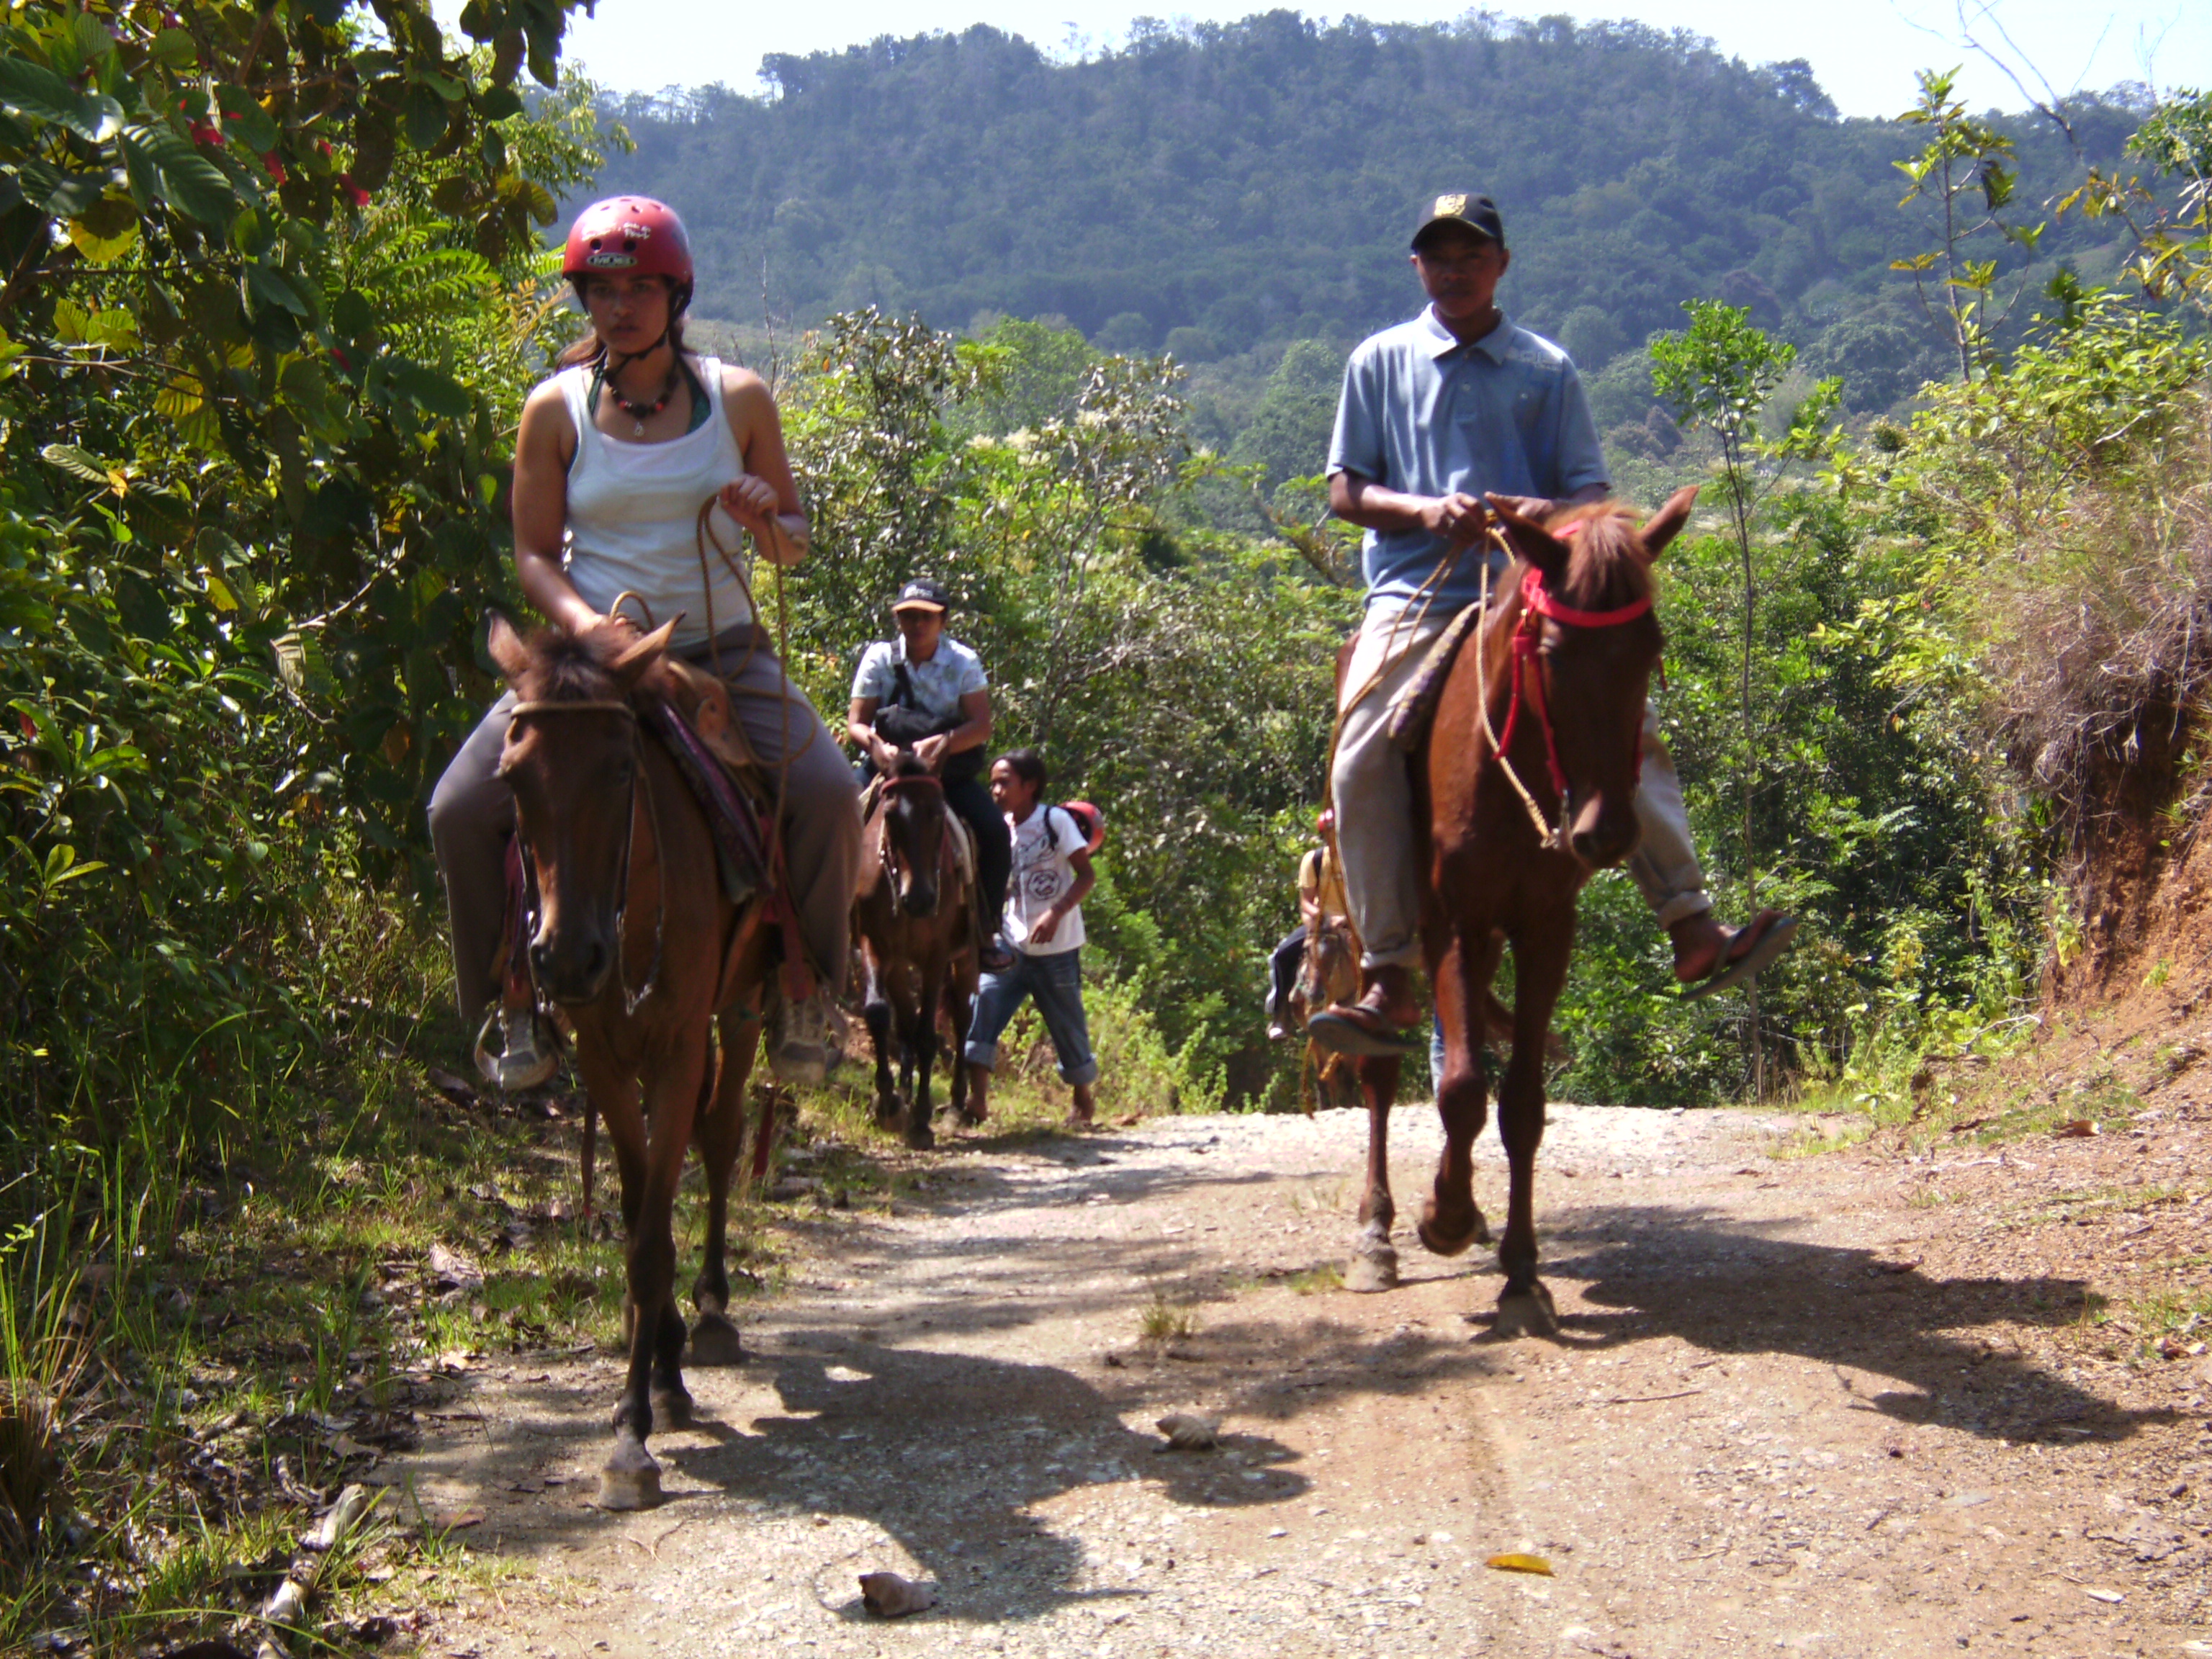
(923, 781)
(631, 999)
(1538, 606)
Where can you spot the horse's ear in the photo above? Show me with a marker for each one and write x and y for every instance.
(640, 655)
(1530, 540)
(506, 647)
(1662, 526)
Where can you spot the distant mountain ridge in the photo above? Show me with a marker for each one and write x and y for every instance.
(1218, 187)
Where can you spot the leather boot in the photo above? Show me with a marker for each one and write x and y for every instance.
(1379, 1025)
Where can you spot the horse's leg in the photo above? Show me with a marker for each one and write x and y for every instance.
(719, 1135)
(1450, 1220)
(1539, 968)
(918, 1135)
(960, 1007)
(630, 1480)
(875, 1009)
(1374, 1263)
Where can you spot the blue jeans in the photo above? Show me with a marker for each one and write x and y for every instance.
(1056, 983)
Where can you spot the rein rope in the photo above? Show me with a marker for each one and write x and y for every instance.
(798, 981)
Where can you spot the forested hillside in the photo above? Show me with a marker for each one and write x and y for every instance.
(1222, 187)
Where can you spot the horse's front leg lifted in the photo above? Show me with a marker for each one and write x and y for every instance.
(1539, 962)
(1450, 1219)
(1374, 1262)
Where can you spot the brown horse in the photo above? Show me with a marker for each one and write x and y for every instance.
(914, 915)
(1528, 779)
(641, 950)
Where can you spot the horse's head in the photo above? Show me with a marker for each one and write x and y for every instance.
(913, 831)
(572, 759)
(1587, 624)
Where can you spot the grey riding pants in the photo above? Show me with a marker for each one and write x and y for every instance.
(472, 814)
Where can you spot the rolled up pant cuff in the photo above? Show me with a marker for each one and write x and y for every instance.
(1682, 907)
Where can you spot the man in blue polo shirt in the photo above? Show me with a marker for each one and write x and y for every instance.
(1436, 413)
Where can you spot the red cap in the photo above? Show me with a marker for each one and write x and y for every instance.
(632, 233)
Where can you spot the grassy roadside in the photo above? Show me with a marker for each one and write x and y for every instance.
(215, 1313)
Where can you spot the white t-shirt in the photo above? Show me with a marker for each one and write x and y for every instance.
(1043, 847)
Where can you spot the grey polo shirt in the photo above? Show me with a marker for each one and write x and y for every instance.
(951, 673)
(1424, 414)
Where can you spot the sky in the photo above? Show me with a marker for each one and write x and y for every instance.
(1862, 51)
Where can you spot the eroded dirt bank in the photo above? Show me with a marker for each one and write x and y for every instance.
(1843, 1405)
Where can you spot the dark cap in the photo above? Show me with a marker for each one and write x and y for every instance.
(1478, 212)
(922, 594)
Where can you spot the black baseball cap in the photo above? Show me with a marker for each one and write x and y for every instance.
(1478, 212)
(922, 594)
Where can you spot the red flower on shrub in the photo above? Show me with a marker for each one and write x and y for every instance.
(359, 196)
(275, 166)
(204, 132)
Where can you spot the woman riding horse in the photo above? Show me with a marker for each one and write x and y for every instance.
(619, 453)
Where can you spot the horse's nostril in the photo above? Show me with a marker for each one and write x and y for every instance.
(541, 959)
(595, 962)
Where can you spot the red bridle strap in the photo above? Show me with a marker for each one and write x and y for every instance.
(1536, 601)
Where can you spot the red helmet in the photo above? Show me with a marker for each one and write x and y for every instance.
(633, 234)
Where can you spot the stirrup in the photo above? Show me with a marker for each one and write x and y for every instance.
(521, 1063)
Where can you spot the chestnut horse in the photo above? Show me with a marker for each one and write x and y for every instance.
(914, 913)
(641, 951)
(1526, 786)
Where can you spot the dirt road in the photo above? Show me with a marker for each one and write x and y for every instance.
(1796, 1405)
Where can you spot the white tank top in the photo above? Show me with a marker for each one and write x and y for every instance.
(634, 514)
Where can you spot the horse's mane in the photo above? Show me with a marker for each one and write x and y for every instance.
(1606, 566)
(566, 669)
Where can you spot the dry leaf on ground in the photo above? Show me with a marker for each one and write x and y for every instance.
(1535, 1564)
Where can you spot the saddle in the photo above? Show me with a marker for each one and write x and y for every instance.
(1415, 708)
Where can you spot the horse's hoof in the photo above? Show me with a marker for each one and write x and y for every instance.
(630, 1479)
(671, 1406)
(920, 1137)
(1527, 1313)
(714, 1342)
(1373, 1268)
(887, 1111)
(1448, 1231)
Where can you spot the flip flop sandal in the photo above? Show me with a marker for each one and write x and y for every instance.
(1341, 1035)
(1764, 947)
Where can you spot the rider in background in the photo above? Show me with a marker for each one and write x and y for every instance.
(617, 454)
(1044, 924)
(938, 684)
(1436, 413)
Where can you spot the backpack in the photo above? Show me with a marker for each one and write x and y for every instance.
(1089, 821)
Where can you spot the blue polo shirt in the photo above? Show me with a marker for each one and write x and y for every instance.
(1424, 414)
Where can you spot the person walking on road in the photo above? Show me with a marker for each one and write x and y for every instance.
(1436, 414)
(925, 691)
(1052, 876)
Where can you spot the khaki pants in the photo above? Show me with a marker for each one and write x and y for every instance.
(472, 814)
(1373, 790)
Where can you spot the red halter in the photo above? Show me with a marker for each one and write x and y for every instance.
(1536, 602)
